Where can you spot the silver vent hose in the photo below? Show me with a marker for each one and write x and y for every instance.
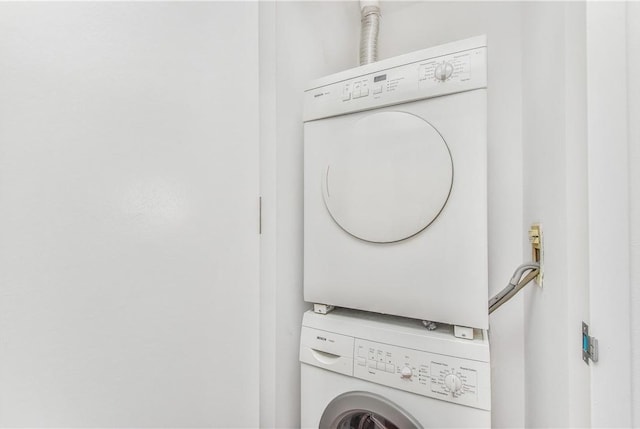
(370, 25)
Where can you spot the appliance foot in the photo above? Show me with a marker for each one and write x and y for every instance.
(463, 332)
(322, 308)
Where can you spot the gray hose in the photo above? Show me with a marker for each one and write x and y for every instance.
(517, 275)
(515, 284)
(370, 25)
(532, 275)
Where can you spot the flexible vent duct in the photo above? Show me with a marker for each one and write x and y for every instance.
(370, 25)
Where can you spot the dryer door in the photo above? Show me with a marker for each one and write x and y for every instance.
(364, 410)
(388, 178)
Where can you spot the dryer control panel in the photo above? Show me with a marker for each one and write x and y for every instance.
(423, 74)
(462, 381)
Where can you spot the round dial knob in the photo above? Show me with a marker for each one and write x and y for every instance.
(406, 372)
(443, 71)
(453, 383)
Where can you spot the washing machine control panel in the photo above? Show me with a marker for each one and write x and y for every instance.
(423, 77)
(462, 381)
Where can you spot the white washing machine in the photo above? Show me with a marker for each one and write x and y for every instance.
(395, 193)
(366, 370)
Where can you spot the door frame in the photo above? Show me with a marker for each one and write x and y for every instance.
(608, 193)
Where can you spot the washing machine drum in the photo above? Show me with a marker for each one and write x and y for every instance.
(364, 410)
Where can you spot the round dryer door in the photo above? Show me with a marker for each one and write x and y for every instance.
(364, 410)
(390, 179)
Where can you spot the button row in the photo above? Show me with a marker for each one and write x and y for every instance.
(359, 92)
(373, 364)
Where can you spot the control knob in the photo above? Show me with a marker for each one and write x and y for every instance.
(453, 383)
(406, 372)
(443, 71)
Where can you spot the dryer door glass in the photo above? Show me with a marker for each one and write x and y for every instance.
(389, 178)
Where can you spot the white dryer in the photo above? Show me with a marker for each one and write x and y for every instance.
(366, 370)
(395, 193)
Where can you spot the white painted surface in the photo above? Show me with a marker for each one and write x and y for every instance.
(575, 75)
(609, 242)
(128, 184)
(311, 39)
(555, 195)
(268, 247)
(544, 188)
(633, 91)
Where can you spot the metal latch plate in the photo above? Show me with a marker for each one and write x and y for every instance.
(589, 345)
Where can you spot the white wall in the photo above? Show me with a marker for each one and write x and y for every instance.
(576, 194)
(128, 195)
(609, 244)
(315, 39)
(633, 88)
(555, 191)
(268, 245)
(300, 41)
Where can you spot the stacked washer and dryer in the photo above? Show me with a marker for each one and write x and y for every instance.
(395, 238)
